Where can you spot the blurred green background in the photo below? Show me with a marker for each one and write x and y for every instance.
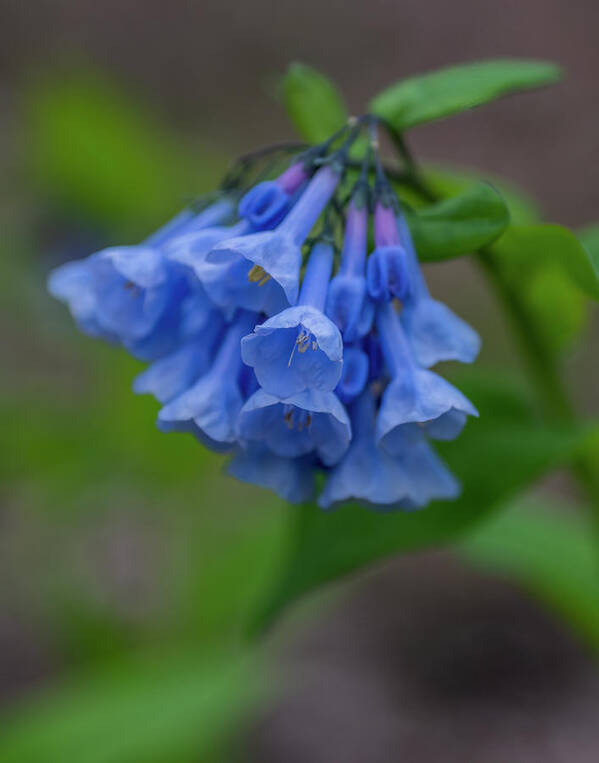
(129, 564)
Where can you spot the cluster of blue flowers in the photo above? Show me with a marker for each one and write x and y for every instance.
(275, 331)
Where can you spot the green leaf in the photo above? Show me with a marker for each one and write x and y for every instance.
(497, 456)
(561, 309)
(459, 225)
(527, 247)
(450, 181)
(158, 708)
(438, 94)
(313, 103)
(551, 554)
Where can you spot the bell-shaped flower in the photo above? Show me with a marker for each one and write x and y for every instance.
(387, 270)
(354, 374)
(430, 478)
(309, 422)
(348, 304)
(434, 331)
(130, 294)
(292, 479)
(417, 400)
(382, 481)
(300, 348)
(274, 258)
(267, 203)
(226, 281)
(134, 294)
(209, 409)
(171, 375)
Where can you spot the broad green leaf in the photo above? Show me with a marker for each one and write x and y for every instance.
(159, 708)
(459, 225)
(496, 457)
(561, 309)
(438, 94)
(313, 103)
(552, 555)
(450, 181)
(528, 247)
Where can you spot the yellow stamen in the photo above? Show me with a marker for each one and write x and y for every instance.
(257, 273)
(264, 280)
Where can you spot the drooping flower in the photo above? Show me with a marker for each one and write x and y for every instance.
(407, 480)
(309, 422)
(347, 303)
(133, 294)
(434, 331)
(246, 365)
(210, 408)
(417, 400)
(171, 375)
(300, 348)
(273, 259)
(387, 270)
(292, 479)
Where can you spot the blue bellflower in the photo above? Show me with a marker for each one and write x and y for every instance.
(292, 479)
(132, 294)
(347, 303)
(254, 348)
(273, 259)
(309, 422)
(300, 348)
(434, 331)
(210, 408)
(417, 400)
(384, 482)
(175, 373)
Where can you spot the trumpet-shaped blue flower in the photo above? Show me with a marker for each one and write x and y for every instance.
(133, 294)
(354, 374)
(310, 422)
(347, 303)
(274, 258)
(267, 203)
(416, 400)
(171, 375)
(209, 409)
(292, 479)
(382, 481)
(130, 294)
(387, 270)
(434, 331)
(299, 348)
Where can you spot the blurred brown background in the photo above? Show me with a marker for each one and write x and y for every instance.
(210, 66)
(424, 660)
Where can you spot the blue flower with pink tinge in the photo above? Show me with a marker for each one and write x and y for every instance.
(276, 333)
